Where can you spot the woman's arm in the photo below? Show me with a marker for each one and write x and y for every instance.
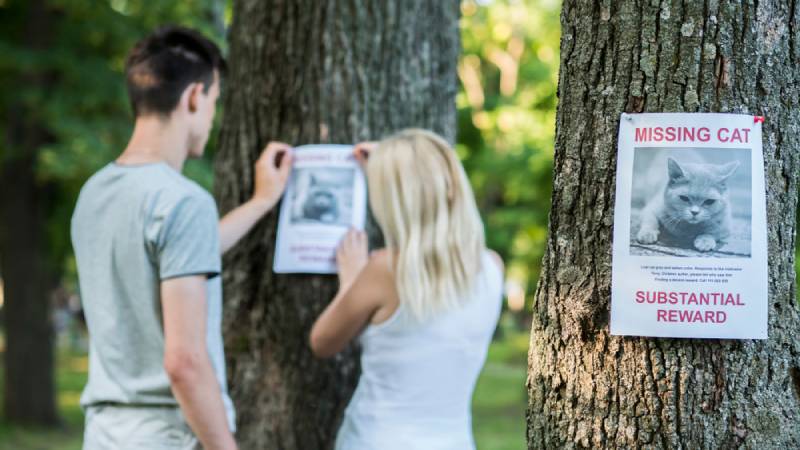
(363, 286)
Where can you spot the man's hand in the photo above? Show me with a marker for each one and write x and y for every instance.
(271, 173)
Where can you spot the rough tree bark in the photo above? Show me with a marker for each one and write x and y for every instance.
(29, 389)
(306, 71)
(588, 389)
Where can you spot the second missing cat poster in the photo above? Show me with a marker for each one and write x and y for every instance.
(325, 196)
(690, 235)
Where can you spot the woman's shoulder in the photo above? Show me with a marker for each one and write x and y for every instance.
(497, 260)
(380, 261)
(377, 273)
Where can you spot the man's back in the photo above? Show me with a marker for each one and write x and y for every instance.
(133, 227)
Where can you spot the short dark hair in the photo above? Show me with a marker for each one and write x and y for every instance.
(163, 64)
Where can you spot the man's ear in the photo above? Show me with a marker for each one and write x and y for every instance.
(194, 92)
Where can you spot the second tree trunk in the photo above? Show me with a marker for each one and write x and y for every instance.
(309, 72)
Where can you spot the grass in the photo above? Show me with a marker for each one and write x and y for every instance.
(498, 404)
(70, 379)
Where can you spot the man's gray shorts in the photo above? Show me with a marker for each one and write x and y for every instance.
(112, 427)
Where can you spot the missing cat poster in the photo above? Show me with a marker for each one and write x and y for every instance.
(325, 196)
(690, 234)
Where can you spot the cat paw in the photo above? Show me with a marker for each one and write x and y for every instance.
(705, 243)
(647, 236)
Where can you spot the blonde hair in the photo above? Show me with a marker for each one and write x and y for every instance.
(422, 200)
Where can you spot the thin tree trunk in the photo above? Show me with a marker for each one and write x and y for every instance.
(306, 71)
(29, 394)
(589, 389)
(29, 390)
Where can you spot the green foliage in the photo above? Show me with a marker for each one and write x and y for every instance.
(506, 123)
(79, 98)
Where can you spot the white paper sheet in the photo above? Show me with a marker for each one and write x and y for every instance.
(325, 196)
(690, 233)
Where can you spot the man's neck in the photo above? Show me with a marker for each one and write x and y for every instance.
(155, 140)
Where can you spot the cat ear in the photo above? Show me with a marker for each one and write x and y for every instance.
(674, 170)
(726, 170)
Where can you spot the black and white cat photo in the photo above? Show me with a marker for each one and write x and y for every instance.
(322, 196)
(694, 207)
(320, 203)
(691, 208)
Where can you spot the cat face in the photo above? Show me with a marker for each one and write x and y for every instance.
(320, 202)
(321, 199)
(696, 193)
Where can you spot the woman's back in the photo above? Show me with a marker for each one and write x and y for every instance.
(417, 377)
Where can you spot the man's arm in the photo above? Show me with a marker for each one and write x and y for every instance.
(270, 181)
(187, 363)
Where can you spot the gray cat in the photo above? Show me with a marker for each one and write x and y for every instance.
(693, 210)
(318, 201)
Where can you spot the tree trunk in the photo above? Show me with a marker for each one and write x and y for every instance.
(589, 389)
(29, 390)
(305, 71)
(29, 394)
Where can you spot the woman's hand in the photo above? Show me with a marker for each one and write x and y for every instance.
(351, 256)
(362, 150)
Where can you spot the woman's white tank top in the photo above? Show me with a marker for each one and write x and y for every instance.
(417, 378)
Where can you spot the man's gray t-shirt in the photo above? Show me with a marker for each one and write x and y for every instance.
(133, 227)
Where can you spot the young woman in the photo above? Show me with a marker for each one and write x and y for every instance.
(425, 307)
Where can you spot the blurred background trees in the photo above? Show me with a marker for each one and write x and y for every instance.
(506, 121)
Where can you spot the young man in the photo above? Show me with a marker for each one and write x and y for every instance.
(148, 244)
